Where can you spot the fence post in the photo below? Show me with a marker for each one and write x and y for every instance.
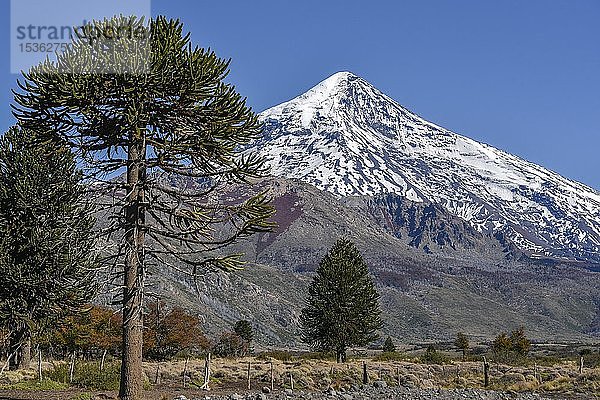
(72, 368)
(486, 372)
(206, 373)
(39, 364)
(365, 374)
(248, 375)
(185, 366)
(102, 361)
(272, 386)
(157, 377)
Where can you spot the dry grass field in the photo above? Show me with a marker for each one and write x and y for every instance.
(231, 375)
(317, 375)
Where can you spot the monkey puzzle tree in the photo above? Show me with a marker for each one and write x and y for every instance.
(388, 346)
(342, 308)
(142, 102)
(47, 257)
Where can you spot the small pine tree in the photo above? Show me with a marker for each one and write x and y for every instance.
(511, 347)
(388, 346)
(519, 342)
(501, 346)
(342, 308)
(462, 343)
(244, 330)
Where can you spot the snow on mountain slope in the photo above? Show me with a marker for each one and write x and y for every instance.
(348, 138)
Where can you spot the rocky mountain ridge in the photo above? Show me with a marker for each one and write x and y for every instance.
(346, 137)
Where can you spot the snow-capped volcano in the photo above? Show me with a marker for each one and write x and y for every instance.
(348, 138)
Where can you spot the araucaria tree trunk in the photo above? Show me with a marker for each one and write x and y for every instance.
(133, 289)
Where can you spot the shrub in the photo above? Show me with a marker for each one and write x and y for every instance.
(82, 396)
(171, 332)
(592, 360)
(322, 356)
(433, 356)
(511, 348)
(88, 375)
(94, 331)
(34, 384)
(230, 345)
(519, 342)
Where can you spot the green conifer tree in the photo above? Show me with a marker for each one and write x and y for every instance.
(243, 329)
(342, 308)
(388, 345)
(47, 257)
(462, 343)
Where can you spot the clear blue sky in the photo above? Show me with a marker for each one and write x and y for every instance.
(523, 76)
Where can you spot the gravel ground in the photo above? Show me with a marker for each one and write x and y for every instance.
(380, 391)
(362, 393)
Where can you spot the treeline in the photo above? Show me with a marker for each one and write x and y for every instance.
(169, 332)
(507, 347)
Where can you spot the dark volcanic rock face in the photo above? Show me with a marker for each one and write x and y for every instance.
(423, 225)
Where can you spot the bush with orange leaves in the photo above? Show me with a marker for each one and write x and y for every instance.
(172, 332)
(95, 331)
